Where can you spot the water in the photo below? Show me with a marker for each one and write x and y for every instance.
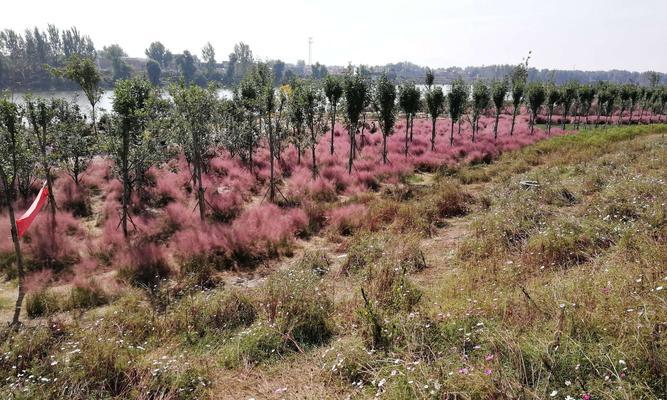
(77, 96)
(106, 101)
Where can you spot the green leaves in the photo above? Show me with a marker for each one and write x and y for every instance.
(385, 103)
(333, 89)
(435, 102)
(458, 97)
(499, 92)
(536, 95)
(409, 98)
(356, 92)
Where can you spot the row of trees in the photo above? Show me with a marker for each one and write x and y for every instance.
(42, 135)
(23, 56)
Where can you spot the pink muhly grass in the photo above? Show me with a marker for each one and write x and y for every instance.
(38, 280)
(344, 220)
(56, 248)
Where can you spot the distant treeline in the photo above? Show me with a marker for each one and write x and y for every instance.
(27, 59)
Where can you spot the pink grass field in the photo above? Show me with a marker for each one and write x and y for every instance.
(242, 224)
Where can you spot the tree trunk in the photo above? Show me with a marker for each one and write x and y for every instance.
(513, 119)
(312, 150)
(384, 147)
(620, 117)
(495, 127)
(433, 134)
(532, 122)
(630, 120)
(565, 110)
(272, 181)
(92, 106)
(351, 132)
(198, 169)
(17, 250)
(333, 124)
(451, 134)
(407, 126)
(126, 181)
(412, 122)
(549, 115)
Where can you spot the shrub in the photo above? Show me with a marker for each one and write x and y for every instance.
(363, 250)
(297, 304)
(198, 271)
(316, 262)
(251, 346)
(346, 219)
(349, 361)
(87, 295)
(565, 244)
(42, 303)
(210, 312)
(132, 318)
(26, 347)
(146, 266)
(388, 287)
(449, 200)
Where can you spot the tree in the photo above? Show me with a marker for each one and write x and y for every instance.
(435, 104)
(356, 93)
(40, 114)
(119, 68)
(11, 148)
(385, 106)
(297, 117)
(248, 131)
(536, 96)
(132, 105)
(278, 71)
(601, 90)
(653, 78)
(186, 66)
(457, 99)
(208, 56)
(154, 72)
(156, 51)
(194, 109)
(481, 97)
(84, 72)
(634, 98)
(243, 60)
(498, 94)
(75, 143)
(429, 79)
(518, 80)
(409, 100)
(569, 95)
(315, 119)
(333, 90)
(586, 97)
(662, 101)
(553, 97)
(319, 71)
(611, 96)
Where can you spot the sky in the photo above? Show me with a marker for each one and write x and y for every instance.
(563, 34)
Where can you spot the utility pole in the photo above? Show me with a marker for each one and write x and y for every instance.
(310, 50)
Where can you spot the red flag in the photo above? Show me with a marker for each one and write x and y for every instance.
(23, 223)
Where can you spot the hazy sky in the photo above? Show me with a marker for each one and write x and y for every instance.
(582, 34)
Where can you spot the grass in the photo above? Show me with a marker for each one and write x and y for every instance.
(554, 289)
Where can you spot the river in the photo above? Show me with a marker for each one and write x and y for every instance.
(77, 96)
